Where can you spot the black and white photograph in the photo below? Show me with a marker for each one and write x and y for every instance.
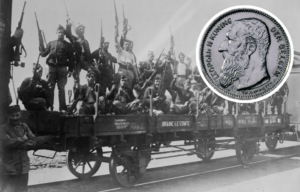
(137, 95)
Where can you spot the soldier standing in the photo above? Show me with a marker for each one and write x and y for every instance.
(83, 58)
(127, 61)
(278, 98)
(60, 57)
(181, 69)
(146, 68)
(15, 140)
(105, 61)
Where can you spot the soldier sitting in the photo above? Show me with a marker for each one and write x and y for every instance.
(184, 97)
(247, 108)
(211, 102)
(160, 105)
(34, 91)
(124, 101)
(86, 96)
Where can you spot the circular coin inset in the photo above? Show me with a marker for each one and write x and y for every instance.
(244, 54)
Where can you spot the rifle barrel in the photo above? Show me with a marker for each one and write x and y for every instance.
(24, 6)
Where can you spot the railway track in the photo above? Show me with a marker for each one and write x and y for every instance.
(230, 162)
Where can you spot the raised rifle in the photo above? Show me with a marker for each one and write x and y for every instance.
(154, 72)
(116, 21)
(20, 46)
(102, 39)
(126, 27)
(41, 35)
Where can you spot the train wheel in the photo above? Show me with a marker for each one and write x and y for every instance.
(124, 169)
(82, 163)
(245, 151)
(206, 150)
(271, 142)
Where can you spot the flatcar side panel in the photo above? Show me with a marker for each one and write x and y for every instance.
(121, 124)
(202, 122)
(228, 121)
(273, 120)
(175, 123)
(248, 121)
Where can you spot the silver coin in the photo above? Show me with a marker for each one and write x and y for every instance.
(244, 54)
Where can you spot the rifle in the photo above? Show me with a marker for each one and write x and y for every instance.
(116, 20)
(126, 27)
(154, 72)
(40, 34)
(102, 39)
(20, 46)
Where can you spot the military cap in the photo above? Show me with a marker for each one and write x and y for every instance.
(90, 72)
(150, 53)
(60, 28)
(157, 77)
(13, 109)
(181, 55)
(37, 67)
(123, 77)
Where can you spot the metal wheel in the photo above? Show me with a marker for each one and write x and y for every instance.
(206, 150)
(245, 151)
(124, 169)
(271, 142)
(83, 163)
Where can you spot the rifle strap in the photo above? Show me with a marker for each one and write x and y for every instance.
(55, 51)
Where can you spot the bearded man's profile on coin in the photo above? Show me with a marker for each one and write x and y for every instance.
(244, 51)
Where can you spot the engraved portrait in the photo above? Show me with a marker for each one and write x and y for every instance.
(244, 51)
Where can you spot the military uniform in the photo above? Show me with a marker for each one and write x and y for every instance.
(276, 100)
(106, 69)
(60, 57)
(182, 70)
(123, 100)
(34, 94)
(164, 68)
(83, 57)
(211, 102)
(127, 66)
(160, 106)
(183, 99)
(14, 161)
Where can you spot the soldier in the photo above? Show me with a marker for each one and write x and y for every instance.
(184, 97)
(60, 57)
(231, 106)
(211, 102)
(247, 108)
(34, 91)
(278, 98)
(86, 94)
(164, 68)
(127, 61)
(15, 140)
(124, 101)
(146, 68)
(160, 105)
(105, 66)
(196, 75)
(83, 59)
(181, 69)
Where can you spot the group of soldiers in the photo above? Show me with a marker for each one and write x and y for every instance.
(129, 89)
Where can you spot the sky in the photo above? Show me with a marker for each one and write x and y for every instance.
(150, 22)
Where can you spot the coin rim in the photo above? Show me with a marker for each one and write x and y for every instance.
(225, 12)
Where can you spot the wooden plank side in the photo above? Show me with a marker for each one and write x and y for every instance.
(273, 120)
(122, 124)
(248, 121)
(175, 123)
(228, 121)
